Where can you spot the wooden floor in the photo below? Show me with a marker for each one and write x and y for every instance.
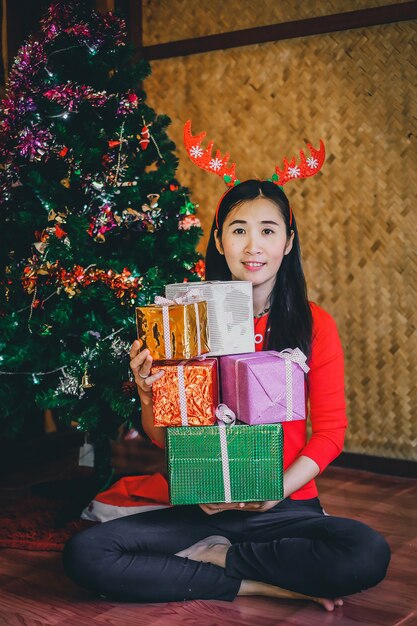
(34, 590)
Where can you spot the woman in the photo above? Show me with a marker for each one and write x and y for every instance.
(285, 549)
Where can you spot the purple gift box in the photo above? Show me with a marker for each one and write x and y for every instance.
(265, 387)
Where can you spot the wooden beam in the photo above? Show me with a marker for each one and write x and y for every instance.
(288, 30)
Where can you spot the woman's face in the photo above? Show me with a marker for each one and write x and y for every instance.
(254, 242)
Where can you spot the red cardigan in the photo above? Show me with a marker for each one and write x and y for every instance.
(326, 399)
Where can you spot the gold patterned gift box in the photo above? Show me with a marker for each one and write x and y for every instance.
(173, 329)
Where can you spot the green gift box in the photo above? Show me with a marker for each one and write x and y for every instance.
(225, 463)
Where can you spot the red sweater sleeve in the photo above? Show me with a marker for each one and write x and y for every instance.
(325, 391)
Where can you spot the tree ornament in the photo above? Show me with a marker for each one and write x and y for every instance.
(60, 217)
(40, 246)
(189, 221)
(117, 171)
(69, 385)
(188, 208)
(128, 103)
(59, 232)
(85, 380)
(119, 348)
(153, 199)
(129, 216)
(200, 269)
(144, 137)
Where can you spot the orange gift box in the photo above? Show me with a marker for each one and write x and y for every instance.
(187, 395)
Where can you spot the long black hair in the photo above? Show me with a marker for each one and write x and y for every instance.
(290, 318)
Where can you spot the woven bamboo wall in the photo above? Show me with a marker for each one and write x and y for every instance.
(172, 20)
(358, 91)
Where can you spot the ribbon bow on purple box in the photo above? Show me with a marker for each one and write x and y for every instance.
(265, 387)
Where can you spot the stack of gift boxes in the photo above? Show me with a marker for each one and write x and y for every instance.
(201, 335)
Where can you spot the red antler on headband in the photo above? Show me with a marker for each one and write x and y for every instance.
(307, 167)
(205, 160)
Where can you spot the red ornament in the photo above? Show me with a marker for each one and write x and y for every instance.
(199, 269)
(189, 221)
(59, 232)
(144, 137)
(63, 152)
(114, 143)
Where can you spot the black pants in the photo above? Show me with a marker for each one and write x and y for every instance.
(293, 546)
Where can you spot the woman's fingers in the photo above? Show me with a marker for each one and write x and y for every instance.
(141, 364)
(210, 509)
(140, 361)
(251, 506)
(137, 359)
(152, 379)
(135, 349)
(145, 367)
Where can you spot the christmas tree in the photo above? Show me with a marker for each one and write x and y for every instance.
(93, 222)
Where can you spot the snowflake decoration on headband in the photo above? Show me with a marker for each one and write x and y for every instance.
(196, 152)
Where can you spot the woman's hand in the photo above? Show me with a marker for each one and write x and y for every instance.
(213, 508)
(261, 507)
(140, 364)
(258, 507)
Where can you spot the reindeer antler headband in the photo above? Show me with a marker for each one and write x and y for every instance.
(219, 165)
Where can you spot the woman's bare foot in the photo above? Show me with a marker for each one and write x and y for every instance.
(257, 588)
(212, 549)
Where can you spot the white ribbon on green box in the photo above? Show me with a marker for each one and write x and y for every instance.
(225, 417)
